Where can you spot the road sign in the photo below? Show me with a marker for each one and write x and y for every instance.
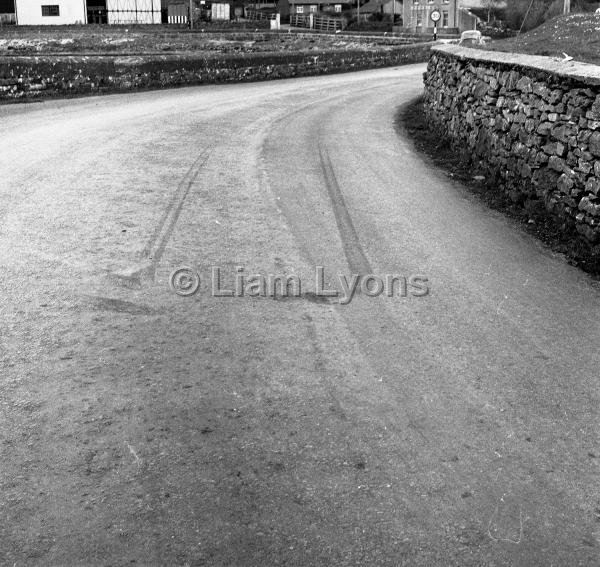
(435, 16)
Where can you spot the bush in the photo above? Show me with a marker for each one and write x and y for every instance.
(496, 30)
(380, 26)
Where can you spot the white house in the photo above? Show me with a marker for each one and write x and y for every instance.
(60, 12)
(50, 12)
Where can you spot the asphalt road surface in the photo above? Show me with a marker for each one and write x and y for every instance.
(139, 426)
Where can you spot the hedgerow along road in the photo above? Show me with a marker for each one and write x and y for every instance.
(455, 427)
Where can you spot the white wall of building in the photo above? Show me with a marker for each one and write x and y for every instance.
(29, 12)
(133, 11)
(388, 7)
(221, 11)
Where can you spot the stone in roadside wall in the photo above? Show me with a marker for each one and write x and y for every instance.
(26, 77)
(532, 123)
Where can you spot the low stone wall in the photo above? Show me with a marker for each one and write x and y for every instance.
(532, 124)
(26, 77)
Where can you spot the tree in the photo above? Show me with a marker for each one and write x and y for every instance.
(491, 8)
(526, 14)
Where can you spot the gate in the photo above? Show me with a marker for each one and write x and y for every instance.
(133, 11)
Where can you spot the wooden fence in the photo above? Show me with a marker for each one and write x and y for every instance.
(252, 14)
(316, 22)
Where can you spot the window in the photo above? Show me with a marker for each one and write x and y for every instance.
(313, 8)
(419, 19)
(53, 10)
(338, 7)
(444, 18)
(299, 9)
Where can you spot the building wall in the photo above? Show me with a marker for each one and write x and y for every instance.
(133, 11)
(466, 20)
(29, 12)
(415, 14)
(388, 7)
(220, 11)
(305, 7)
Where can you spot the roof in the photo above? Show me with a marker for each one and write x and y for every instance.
(372, 6)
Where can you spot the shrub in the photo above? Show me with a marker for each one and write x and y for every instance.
(380, 26)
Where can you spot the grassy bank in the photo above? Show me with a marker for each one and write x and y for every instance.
(577, 35)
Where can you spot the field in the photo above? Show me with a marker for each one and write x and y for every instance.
(577, 35)
(80, 40)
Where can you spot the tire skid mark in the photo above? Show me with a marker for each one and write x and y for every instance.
(263, 153)
(155, 247)
(422, 413)
(357, 260)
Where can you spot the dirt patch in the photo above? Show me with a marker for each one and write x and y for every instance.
(460, 167)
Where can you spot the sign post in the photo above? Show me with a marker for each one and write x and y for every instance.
(435, 18)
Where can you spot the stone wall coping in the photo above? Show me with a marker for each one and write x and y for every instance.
(574, 70)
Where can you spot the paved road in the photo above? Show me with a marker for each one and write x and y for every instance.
(139, 426)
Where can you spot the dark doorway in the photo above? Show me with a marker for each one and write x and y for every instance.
(7, 6)
(96, 12)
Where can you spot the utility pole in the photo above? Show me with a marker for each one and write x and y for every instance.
(358, 10)
(191, 14)
(566, 6)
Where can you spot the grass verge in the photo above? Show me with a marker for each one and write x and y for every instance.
(577, 35)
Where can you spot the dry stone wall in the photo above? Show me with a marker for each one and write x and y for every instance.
(34, 77)
(532, 124)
